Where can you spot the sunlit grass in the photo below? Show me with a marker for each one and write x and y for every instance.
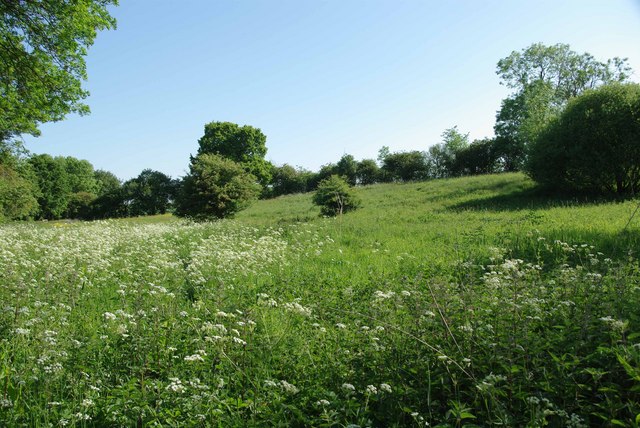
(452, 302)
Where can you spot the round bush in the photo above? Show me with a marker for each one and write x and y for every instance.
(335, 197)
(594, 145)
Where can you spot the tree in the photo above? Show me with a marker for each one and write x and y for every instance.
(245, 145)
(477, 158)
(367, 172)
(17, 195)
(593, 145)
(287, 179)
(519, 121)
(544, 79)
(453, 142)
(106, 182)
(150, 193)
(216, 187)
(347, 167)
(80, 175)
(405, 166)
(53, 184)
(42, 50)
(325, 172)
(335, 197)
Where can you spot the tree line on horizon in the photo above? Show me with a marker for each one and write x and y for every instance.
(572, 123)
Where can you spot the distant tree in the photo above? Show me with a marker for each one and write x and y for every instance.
(325, 172)
(347, 168)
(520, 119)
(441, 157)
(110, 204)
(150, 193)
(477, 158)
(593, 145)
(42, 49)
(335, 197)
(216, 187)
(544, 79)
(405, 166)
(105, 182)
(287, 179)
(53, 184)
(80, 205)
(80, 175)
(245, 145)
(367, 172)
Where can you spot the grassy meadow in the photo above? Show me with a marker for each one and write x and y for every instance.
(460, 302)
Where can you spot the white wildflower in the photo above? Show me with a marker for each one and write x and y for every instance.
(194, 357)
(289, 388)
(239, 341)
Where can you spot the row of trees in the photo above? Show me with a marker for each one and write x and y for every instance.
(571, 122)
(40, 186)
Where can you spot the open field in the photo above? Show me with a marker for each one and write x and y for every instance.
(462, 302)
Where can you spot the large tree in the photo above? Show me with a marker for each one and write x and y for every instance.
(150, 193)
(245, 145)
(544, 78)
(215, 187)
(42, 66)
(594, 144)
(53, 184)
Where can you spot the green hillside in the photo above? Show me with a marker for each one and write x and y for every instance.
(461, 302)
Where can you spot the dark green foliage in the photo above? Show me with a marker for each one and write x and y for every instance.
(347, 168)
(109, 205)
(544, 78)
(42, 49)
(325, 172)
(367, 172)
(594, 145)
(80, 205)
(150, 193)
(287, 180)
(245, 145)
(335, 197)
(405, 166)
(216, 187)
(477, 158)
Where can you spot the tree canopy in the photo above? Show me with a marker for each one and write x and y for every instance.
(42, 66)
(593, 145)
(216, 187)
(544, 79)
(245, 145)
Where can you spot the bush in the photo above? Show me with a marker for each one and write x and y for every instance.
(593, 146)
(216, 187)
(335, 197)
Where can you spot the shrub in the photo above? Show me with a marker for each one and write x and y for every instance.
(593, 145)
(216, 187)
(335, 197)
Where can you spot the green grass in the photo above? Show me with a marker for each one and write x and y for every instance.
(465, 302)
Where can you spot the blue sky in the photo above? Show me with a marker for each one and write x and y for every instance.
(320, 78)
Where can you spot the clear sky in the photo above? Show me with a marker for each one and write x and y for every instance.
(320, 78)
